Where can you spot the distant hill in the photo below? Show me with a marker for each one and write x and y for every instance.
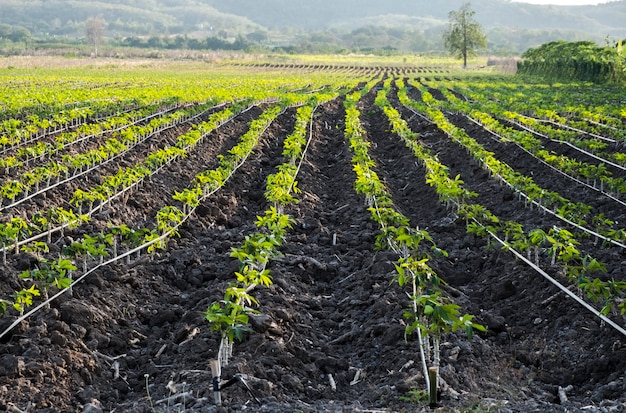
(607, 19)
(509, 25)
(124, 17)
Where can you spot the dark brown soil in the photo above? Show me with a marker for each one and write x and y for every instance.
(134, 336)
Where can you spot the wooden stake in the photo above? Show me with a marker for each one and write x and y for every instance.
(432, 378)
(216, 371)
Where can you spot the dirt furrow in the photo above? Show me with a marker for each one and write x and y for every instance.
(157, 303)
(132, 336)
(543, 175)
(526, 316)
(331, 303)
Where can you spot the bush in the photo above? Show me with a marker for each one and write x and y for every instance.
(574, 61)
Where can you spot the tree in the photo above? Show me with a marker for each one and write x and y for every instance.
(258, 36)
(94, 31)
(14, 33)
(463, 35)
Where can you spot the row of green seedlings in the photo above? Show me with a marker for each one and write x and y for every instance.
(603, 227)
(510, 234)
(54, 118)
(597, 132)
(18, 130)
(40, 99)
(576, 214)
(103, 249)
(123, 119)
(578, 119)
(69, 167)
(557, 132)
(595, 145)
(15, 133)
(559, 243)
(126, 179)
(595, 176)
(230, 315)
(96, 107)
(431, 313)
(561, 105)
(19, 231)
(547, 123)
(27, 152)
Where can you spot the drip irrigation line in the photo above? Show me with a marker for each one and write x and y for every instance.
(560, 286)
(120, 256)
(102, 204)
(79, 279)
(602, 125)
(238, 378)
(539, 205)
(579, 300)
(307, 144)
(551, 122)
(578, 181)
(571, 145)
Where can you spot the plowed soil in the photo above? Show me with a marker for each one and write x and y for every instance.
(133, 338)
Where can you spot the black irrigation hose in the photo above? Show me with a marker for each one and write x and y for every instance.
(238, 378)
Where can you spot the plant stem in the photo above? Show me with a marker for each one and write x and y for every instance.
(420, 341)
(147, 376)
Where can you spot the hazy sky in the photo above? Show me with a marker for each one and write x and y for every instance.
(563, 2)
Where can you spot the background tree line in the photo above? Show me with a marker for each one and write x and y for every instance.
(305, 26)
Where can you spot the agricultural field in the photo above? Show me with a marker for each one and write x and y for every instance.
(325, 235)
